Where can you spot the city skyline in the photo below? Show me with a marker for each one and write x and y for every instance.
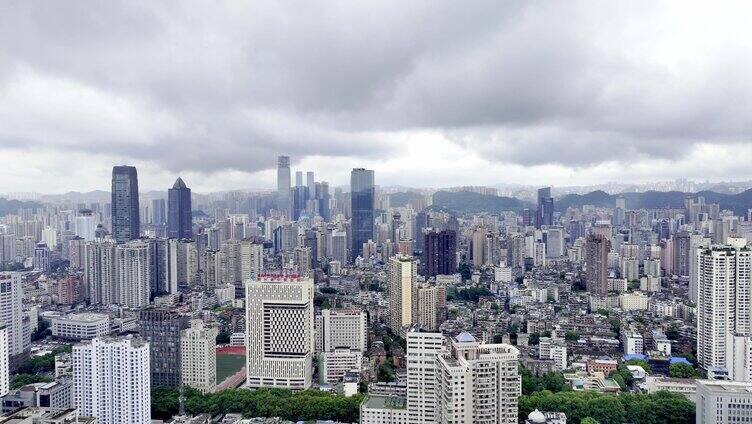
(618, 93)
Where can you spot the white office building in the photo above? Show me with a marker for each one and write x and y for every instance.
(334, 364)
(719, 401)
(341, 328)
(279, 331)
(112, 380)
(11, 312)
(198, 356)
(83, 326)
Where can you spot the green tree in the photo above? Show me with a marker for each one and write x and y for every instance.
(20, 380)
(682, 370)
(554, 381)
(588, 420)
(645, 366)
(571, 336)
(533, 339)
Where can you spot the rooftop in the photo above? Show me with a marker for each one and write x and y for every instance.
(385, 402)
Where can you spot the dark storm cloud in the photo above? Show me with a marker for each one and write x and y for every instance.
(210, 86)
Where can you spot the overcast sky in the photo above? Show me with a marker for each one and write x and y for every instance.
(427, 93)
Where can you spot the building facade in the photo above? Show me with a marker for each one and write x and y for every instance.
(126, 224)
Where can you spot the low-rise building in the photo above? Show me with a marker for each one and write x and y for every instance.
(83, 326)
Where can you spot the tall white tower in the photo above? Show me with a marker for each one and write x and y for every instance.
(723, 302)
(402, 273)
(111, 380)
(133, 274)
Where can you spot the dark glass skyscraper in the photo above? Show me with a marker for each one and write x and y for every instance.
(125, 213)
(362, 193)
(179, 215)
(440, 253)
(545, 213)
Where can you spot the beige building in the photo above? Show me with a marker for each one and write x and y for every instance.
(198, 356)
(402, 272)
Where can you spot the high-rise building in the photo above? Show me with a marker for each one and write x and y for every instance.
(311, 184)
(423, 400)
(85, 224)
(596, 262)
(279, 331)
(477, 382)
(283, 185)
(681, 250)
(341, 329)
(440, 253)
(162, 327)
(724, 308)
(402, 273)
(198, 356)
(133, 274)
(339, 246)
(362, 193)
(158, 212)
(11, 314)
(41, 257)
(111, 380)
(179, 213)
(100, 273)
(428, 303)
(545, 212)
(4, 363)
(126, 222)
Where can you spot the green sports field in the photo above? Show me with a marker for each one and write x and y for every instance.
(228, 365)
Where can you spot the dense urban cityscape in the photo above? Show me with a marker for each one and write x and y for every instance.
(371, 305)
(385, 212)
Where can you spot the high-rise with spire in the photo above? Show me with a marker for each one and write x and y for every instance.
(126, 224)
(179, 215)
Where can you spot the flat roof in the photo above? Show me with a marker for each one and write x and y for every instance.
(385, 402)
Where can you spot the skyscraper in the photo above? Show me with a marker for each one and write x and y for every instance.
(440, 253)
(158, 213)
(681, 249)
(723, 302)
(596, 261)
(279, 331)
(179, 213)
(402, 273)
(111, 380)
(362, 192)
(162, 327)
(311, 184)
(283, 184)
(545, 213)
(133, 271)
(126, 223)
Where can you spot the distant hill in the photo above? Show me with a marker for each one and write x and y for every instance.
(401, 199)
(739, 203)
(470, 202)
(12, 206)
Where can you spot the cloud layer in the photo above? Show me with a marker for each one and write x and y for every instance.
(527, 92)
